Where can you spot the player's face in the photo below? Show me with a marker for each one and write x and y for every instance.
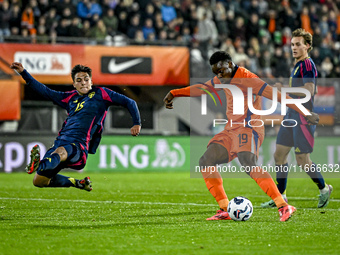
(223, 69)
(299, 49)
(82, 83)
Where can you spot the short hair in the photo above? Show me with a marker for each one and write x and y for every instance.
(307, 37)
(219, 56)
(81, 69)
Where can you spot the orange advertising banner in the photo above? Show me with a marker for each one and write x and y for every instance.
(130, 65)
(10, 103)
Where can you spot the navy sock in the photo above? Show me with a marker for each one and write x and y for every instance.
(50, 163)
(281, 177)
(62, 181)
(315, 173)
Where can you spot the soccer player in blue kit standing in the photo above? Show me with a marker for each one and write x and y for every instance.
(301, 136)
(81, 132)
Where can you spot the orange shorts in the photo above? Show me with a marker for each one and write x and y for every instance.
(239, 139)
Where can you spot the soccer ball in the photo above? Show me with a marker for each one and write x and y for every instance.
(240, 209)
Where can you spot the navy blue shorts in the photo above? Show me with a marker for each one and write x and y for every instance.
(301, 137)
(77, 159)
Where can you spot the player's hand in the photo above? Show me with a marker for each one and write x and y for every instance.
(313, 119)
(168, 100)
(278, 85)
(135, 130)
(17, 66)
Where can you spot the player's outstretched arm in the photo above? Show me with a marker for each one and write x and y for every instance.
(168, 100)
(40, 88)
(135, 130)
(190, 91)
(17, 67)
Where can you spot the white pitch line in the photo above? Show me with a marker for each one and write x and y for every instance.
(106, 202)
(135, 202)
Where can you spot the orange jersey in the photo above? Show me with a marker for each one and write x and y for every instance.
(243, 79)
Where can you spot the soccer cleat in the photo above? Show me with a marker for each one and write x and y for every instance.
(271, 203)
(220, 215)
(286, 212)
(35, 160)
(85, 184)
(324, 198)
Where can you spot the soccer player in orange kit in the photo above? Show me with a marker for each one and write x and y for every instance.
(235, 140)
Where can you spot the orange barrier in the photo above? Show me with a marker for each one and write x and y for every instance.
(10, 103)
(131, 65)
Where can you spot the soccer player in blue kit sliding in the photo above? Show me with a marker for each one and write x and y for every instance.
(301, 137)
(81, 132)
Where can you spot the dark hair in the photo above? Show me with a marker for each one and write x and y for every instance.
(307, 37)
(80, 68)
(219, 56)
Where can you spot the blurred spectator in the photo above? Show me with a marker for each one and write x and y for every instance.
(5, 16)
(280, 67)
(75, 29)
(221, 18)
(315, 55)
(51, 18)
(122, 22)
(323, 25)
(317, 37)
(326, 67)
(139, 36)
(86, 9)
(43, 6)
(25, 37)
(42, 37)
(27, 20)
(134, 26)
(86, 28)
(148, 28)
(239, 30)
(253, 61)
(15, 16)
(288, 19)
(35, 8)
(149, 12)
(186, 36)
(206, 35)
(63, 28)
(99, 31)
(240, 56)
(204, 9)
(228, 46)
(252, 29)
(264, 61)
(263, 7)
(111, 22)
(332, 24)
(168, 11)
(314, 19)
(305, 20)
(65, 4)
(151, 37)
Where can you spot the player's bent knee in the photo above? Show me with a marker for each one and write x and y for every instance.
(40, 181)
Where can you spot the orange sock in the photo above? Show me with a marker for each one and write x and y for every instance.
(266, 183)
(214, 183)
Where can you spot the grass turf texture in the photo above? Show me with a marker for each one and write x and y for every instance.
(159, 213)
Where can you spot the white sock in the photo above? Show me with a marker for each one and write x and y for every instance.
(324, 190)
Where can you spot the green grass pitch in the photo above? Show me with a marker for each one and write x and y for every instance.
(159, 213)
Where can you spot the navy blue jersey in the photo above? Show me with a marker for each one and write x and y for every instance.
(304, 72)
(86, 114)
